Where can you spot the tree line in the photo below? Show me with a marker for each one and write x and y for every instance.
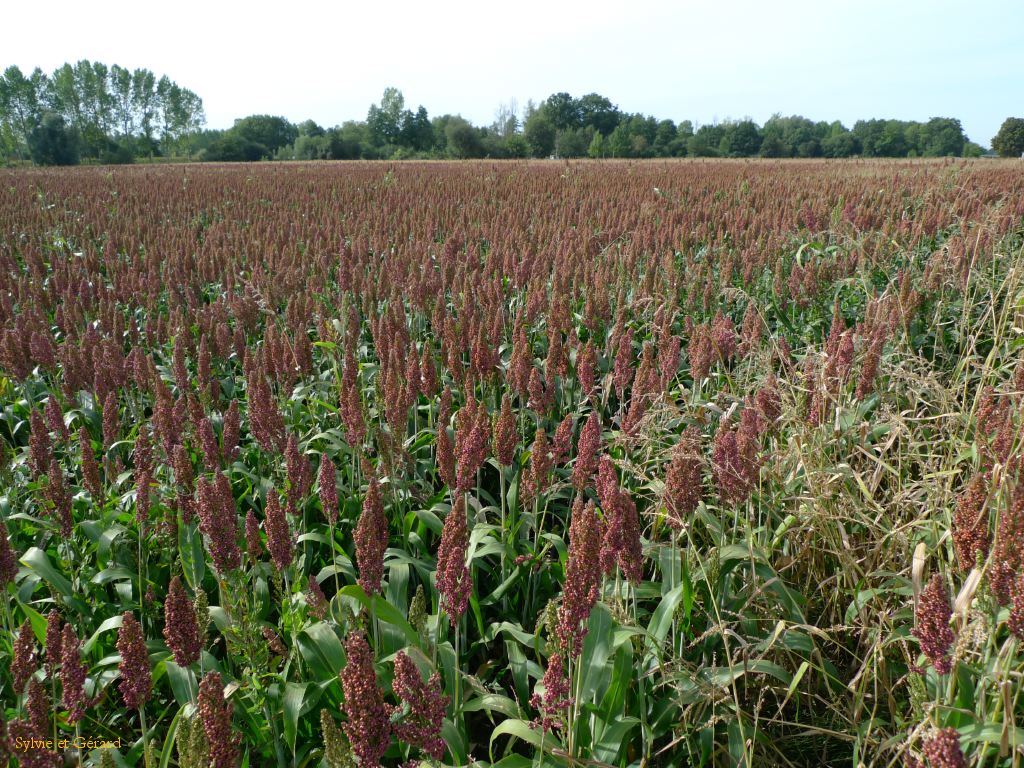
(91, 112)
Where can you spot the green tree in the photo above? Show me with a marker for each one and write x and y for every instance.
(597, 146)
(598, 112)
(385, 120)
(1009, 141)
(52, 142)
(740, 139)
(462, 138)
(574, 143)
(21, 105)
(563, 111)
(267, 131)
(539, 133)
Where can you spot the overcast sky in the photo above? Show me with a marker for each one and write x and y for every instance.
(707, 61)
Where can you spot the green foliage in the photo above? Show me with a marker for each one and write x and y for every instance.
(53, 143)
(1009, 141)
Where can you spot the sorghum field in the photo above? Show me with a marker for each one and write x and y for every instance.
(625, 464)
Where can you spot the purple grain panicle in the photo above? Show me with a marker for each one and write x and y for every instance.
(371, 539)
(316, 602)
(231, 432)
(684, 479)
(57, 493)
(40, 450)
(297, 469)
(218, 520)
(1016, 622)
(943, 750)
(1007, 553)
(90, 468)
(505, 437)
(136, 678)
(23, 657)
(425, 704)
(556, 697)
(587, 449)
(368, 727)
(181, 627)
(932, 625)
(582, 576)
(279, 536)
(54, 642)
(8, 559)
(72, 675)
(453, 577)
(327, 484)
(971, 523)
(55, 419)
(215, 715)
(253, 544)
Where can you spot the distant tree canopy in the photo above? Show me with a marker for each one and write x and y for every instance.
(1009, 142)
(91, 111)
(94, 113)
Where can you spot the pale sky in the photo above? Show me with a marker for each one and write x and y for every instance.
(703, 61)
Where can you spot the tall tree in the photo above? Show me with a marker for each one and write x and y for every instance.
(1009, 141)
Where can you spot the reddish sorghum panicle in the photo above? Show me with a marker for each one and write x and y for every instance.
(368, 727)
(582, 576)
(734, 458)
(316, 601)
(36, 726)
(768, 402)
(279, 536)
(538, 396)
(556, 697)
(970, 523)
(1016, 622)
(421, 727)
(72, 675)
(57, 493)
(943, 750)
(371, 539)
(932, 624)
(8, 559)
(470, 446)
(297, 469)
(723, 336)
(231, 431)
(54, 642)
(327, 484)
(215, 714)
(1007, 553)
(23, 657)
(55, 418)
(621, 543)
(218, 520)
(181, 628)
(453, 578)
(208, 444)
(90, 467)
(40, 450)
(622, 374)
(111, 420)
(136, 677)
(586, 367)
(253, 544)
(536, 478)
(587, 449)
(684, 479)
(701, 353)
(869, 368)
(563, 440)
(505, 437)
(669, 346)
